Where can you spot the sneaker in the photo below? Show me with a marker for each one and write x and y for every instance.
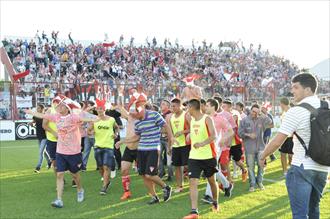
(244, 175)
(229, 190)
(154, 200)
(251, 189)
(80, 195)
(261, 186)
(104, 189)
(57, 203)
(102, 179)
(83, 169)
(37, 170)
(167, 192)
(74, 185)
(126, 195)
(207, 199)
(112, 174)
(235, 176)
(178, 190)
(192, 215)
(49, 165)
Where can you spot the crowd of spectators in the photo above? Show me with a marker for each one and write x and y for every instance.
(158, 68)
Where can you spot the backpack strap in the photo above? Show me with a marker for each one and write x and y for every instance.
(313, 111)
(301, 142)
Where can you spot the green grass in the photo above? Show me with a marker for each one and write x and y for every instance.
(25, 194)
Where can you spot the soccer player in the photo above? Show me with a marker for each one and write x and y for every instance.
(202, 156)
(224, 135)
(130, 152)
(104, 143)
(180, 125)
(68, 151)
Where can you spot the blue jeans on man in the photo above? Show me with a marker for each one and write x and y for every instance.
(42, 147)
(251, 160)
(305, 189)
(89, 143)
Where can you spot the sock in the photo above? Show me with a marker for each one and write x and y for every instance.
(126, 182)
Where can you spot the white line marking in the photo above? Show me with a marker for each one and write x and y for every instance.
(14, 146)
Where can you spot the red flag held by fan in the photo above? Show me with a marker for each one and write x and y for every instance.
(21, 75)
(112, 44)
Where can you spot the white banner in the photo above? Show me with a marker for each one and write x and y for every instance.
(7, 131)
(24, 102)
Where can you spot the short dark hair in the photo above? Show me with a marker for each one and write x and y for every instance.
(194, 103)
(41, 106)
(306, 80)
(255, 106)
(203, 101)
(176, 100)
(154, 107)
(240, 104)
(227, 101)
(285, 101)
(166, 101)
(219, 99)
(214, 103)
(90, 103)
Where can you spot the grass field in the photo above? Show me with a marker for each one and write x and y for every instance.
(25, 194)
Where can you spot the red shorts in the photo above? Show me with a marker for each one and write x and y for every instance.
(224, 158)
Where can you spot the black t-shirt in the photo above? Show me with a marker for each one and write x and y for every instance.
(40, 130)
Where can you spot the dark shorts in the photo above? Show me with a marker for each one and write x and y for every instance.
(68, 162)
(180, 156)
(129, 155)
(195, 167)
(287, 146)
(236, 152)
(104, 157)
(51, 149)
(147, 162)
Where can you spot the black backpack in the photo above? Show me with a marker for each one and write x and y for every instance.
(319, 145)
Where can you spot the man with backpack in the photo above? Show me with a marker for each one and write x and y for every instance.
(309, 122)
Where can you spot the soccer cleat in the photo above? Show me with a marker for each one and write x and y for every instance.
(57, 203)
(244, 175)
(126, 196)
(191, 216)
(80, 196)
(167, 192)
(229, 190)
(207, 199)
(154, 200)
(251, 189)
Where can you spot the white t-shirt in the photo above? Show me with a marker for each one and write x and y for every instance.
(297, 119)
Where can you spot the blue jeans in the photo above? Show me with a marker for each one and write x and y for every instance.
(42, 147)
(251, 160)
(89, 143)
(305, 189)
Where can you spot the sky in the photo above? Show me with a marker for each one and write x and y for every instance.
(296, 30)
